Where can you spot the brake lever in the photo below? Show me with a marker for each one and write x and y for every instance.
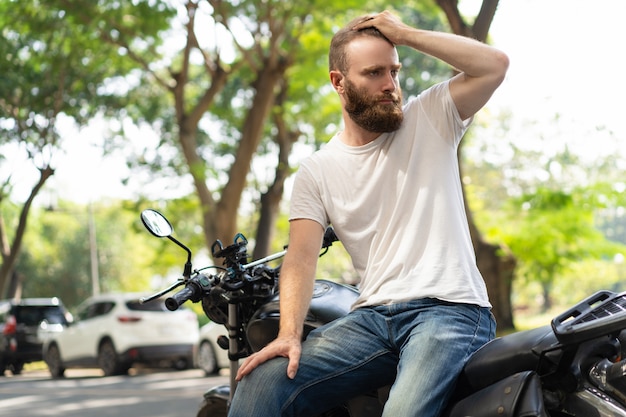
(161, 293)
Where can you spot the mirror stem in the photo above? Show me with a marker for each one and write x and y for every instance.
(187, 271)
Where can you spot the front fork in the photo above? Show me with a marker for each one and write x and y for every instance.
(233, 348)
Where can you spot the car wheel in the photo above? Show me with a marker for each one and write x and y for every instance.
(2, 366)
(207, 361)
(108, 360)
(53, 360)
(181, 364)
(17, 367)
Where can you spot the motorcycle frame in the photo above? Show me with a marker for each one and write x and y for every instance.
(234, 324)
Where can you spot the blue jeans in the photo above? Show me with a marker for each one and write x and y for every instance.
(419, 346)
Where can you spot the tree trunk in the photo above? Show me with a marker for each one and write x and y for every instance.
(15, 284)
(270, 208)
(497, 270)
(11, 251)
(497, 266)
(496, 263)
(546, 288)
(270, 201)
(225, 216)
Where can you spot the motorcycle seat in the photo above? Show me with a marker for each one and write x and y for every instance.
(507, 355)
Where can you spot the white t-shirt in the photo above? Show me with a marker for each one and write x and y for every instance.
(397, 206)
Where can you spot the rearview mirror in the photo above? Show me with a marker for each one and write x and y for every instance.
(156, 223)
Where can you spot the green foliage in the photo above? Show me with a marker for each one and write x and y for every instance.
(549, 232)
(578, 281)
(302, 32)
(553, 209)
(552, 233)
(55, 63)
(56, 258)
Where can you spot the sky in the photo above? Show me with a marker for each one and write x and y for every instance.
(565, 83)
(566, 60)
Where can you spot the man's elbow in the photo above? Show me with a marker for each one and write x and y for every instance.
(500, 65)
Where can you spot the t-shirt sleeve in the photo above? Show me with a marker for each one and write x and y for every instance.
(306, 199)
(441, 111)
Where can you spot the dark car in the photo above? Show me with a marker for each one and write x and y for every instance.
(20, 321)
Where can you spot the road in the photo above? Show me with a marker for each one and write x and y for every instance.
(143, 393)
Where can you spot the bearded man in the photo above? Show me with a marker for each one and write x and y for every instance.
(389, 185)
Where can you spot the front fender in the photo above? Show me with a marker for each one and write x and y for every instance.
(221, 391)
(215, 403)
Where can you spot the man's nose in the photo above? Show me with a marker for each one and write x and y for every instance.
(390, 83)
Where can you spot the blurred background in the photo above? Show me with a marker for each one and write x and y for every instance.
(203, 110)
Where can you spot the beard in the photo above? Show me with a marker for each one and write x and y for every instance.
(369, 113)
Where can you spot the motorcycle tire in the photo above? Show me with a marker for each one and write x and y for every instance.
(213, 407)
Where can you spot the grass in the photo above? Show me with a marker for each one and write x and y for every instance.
(35, 366)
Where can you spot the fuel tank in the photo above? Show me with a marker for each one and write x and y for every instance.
(330, 300)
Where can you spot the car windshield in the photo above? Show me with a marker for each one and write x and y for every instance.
(33, 315)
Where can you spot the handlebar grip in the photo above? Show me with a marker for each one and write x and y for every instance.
(172, 303)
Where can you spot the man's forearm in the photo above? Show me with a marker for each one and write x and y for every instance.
(467, 55)
(470, 56)
(296, 290)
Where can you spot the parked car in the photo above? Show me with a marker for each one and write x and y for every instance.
(20, 321)
(210, 357)
(116, 331)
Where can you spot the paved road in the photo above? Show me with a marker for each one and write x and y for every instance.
(143, 393)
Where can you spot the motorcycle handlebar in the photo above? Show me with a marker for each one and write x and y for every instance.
(172, 303)
(195, 287)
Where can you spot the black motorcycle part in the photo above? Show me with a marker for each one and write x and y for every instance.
(172, 303)
(213, 407)
(234, 254)
(215, 307)
(600, 314)
(514, 396)
(510, 354)
(330, 301)
(215, 402)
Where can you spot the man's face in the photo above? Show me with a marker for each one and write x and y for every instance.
(379, 113)
(372, 95)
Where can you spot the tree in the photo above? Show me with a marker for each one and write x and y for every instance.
(224, 100)
(57, 254)
(550, 231)
(552, 210)
(495, 262)
(256, 91)
(264, 39)
(496, 265)
(52, 67)
(288, 125)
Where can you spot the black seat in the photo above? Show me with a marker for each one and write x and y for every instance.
(508, 355)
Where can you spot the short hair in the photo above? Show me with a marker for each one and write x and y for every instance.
(337, 59)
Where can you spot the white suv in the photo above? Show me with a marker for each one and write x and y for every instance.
(115, 331)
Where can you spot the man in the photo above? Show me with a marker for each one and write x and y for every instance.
(389, 185)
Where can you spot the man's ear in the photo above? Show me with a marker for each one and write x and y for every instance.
(336, 79)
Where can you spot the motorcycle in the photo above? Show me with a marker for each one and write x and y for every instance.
(572, 367)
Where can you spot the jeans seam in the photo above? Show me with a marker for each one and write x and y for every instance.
(471, 346)
(290, 400)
